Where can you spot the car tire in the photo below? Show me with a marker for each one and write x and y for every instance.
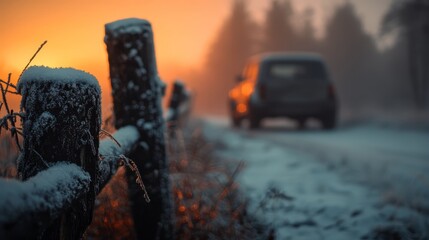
(254, 122)
(236, 122)
(301, 123)
(329, 121)
(234, 118)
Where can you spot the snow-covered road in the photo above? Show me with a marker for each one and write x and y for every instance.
(343, 184)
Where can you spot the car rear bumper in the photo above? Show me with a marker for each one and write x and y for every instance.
(293, 109)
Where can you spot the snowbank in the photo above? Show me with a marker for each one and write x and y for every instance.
(46, 193)
(353, 183)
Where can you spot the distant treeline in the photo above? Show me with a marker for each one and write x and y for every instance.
(365, 77)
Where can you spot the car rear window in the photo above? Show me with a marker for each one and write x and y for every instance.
(296, 70)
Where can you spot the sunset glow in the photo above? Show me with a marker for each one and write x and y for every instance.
(183, 31)
(75, 31)
(214, 119)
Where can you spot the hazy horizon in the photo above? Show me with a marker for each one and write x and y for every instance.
(183, 31)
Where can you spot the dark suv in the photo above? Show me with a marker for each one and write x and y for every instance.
(296, 86)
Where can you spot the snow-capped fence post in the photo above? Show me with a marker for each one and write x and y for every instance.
(137, 92)
(179, 107)
(61, 124)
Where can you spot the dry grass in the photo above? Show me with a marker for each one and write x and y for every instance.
(207, 198)
(112, 219)
(208, 204)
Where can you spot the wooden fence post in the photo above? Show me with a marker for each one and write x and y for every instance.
(62, 123)
(179, 108)
(137, 92)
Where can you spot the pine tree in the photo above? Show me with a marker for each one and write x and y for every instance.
(411, 18)
(227, 55)
(305, 37)
(278, 32)
(353, 57)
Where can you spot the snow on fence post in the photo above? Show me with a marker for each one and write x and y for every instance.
(61, 124)
(137, 92)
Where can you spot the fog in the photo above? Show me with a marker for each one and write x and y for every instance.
(367, 79)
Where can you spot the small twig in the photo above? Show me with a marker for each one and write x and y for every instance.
(228, 184)
(91, 142)
(10, 84)
(31, 59)
(41, 158)
(132, 165)
(14, 131)
(10, 115)
(106, 133)
(4, 99)
(17, 142)
(15, 93)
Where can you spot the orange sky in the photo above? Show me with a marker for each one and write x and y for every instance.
(75, 30)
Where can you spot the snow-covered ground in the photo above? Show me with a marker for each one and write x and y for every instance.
(349, 183)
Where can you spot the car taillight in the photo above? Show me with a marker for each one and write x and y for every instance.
(241, 108)
(331, 91)
(262, 91)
